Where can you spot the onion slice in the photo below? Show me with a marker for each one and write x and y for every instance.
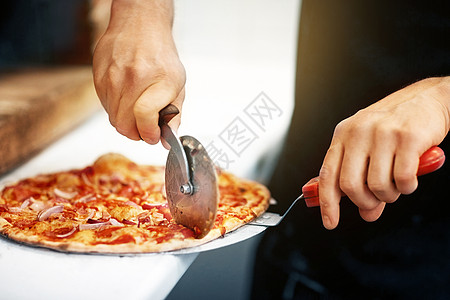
(106, 215)
(67, 234)
(91, 214)
(127, 222)
(15, 209)
(163, 191)
(38, 205)
(27, 202)
(46, 213)
(86, 198)
(114, 222)
(92, 226)
(149, 206)
(131, 203)
(93, 221)
(86, 179)
(64, 195)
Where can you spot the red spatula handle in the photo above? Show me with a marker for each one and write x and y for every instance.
(429, 162)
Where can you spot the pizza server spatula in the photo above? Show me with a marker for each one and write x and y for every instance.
(190, 179)
(430, 161)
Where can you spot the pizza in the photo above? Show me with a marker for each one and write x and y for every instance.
(116, 206)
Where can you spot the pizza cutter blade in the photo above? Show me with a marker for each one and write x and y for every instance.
(190, 178)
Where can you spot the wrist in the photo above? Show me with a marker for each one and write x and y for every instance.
(442, 95)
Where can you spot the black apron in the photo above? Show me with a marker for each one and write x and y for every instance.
(351, 54)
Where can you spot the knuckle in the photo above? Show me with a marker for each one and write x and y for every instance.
(404, 177)
(136, 75)
(172, 82)
(377, 186)
(383, 132)
(406, 183)
(112, 76)
(348, 186)
(391, 198)
(341, 127)
(145, 111)
(324, 205)
(172, 74)
(325, 172)
(353, 128)
(405, 134)
(149, 137)
(97, 79)
(121, 128)
(358, 194)
(112, 120)
(383, 192)
(142, 107)
(128, 131)
(408, 136)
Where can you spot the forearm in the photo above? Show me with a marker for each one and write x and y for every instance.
(136, 67)
(155, 14)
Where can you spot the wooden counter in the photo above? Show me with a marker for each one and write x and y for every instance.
(37, 106)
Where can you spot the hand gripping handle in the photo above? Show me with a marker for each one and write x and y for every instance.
(429, 162)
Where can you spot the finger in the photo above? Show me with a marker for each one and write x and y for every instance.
(405, 171)
(125, 121)
(330, 194)
(98, 73)
(147, 107)
(109, 94)
(353, 178)
(380, 177)
(372, 215)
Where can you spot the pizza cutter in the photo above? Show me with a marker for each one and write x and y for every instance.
(190, 179)
(429, 162)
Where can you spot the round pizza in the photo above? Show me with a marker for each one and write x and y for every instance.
(116, 206)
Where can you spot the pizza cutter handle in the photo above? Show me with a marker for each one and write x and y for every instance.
(167, 113)
(429, 162)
